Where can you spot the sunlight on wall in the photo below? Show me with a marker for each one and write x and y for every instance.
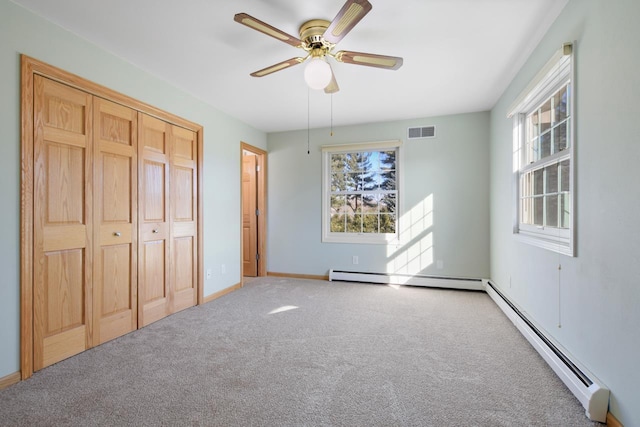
(516, 145)
(414, 253)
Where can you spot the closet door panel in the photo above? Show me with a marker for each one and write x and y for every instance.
(183, 197)
(184, 273)
(117, 305)
(115, 220)
(155, 204)
(154, 296)
(62, 222)
(184, 208)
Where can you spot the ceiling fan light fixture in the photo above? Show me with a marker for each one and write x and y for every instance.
(318, 38)
(317, 73)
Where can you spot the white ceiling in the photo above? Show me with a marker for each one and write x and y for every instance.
(459, 55)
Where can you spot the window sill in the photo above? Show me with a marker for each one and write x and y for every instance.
(559, 245)
(358, 239)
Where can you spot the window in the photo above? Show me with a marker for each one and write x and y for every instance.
(543, 157)
(360, 193)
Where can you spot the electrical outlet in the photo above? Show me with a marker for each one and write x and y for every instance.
(355, 259)
(223, 269)
(439, 264)
(209, 273)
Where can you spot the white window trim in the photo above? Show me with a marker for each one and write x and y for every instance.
(559, 69)
(359, 238)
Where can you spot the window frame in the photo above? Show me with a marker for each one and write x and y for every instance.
(359, 238)
(557, 72)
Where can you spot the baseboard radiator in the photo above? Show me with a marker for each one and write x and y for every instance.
(587, 389)
(407, 279)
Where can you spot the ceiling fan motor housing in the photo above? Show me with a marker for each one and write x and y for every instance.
(311, 34)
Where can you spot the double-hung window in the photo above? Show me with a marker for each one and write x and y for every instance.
(543, 157)
(361, 192)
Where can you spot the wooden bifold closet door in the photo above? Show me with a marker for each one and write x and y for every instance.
(168, 247)
(184, 218)
(115, 305)
(115, 221)
(85, 229)
(62, 222)
(153, 249)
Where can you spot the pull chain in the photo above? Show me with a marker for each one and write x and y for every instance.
(332, 114)
(559, 296)
(308, 120)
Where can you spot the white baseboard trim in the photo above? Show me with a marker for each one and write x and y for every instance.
(408, 279)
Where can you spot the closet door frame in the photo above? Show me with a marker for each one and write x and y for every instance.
(29, 68)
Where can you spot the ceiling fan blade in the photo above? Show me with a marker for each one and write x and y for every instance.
(369, 59)
(332, 87)
(350, 14)
(277, 67)
(267, 29)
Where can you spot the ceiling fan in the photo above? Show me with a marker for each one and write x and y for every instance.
(318, 38)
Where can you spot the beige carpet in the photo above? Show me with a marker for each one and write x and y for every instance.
(283, 352)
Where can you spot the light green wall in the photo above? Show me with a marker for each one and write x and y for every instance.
(596, 295)
(444, 194)
(23, 32)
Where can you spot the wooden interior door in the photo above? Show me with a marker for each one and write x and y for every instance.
(115, 220)
(62, 247)
(153, 219)
(184, 225)
(249, 217)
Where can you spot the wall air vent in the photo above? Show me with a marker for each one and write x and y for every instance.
(422, 132)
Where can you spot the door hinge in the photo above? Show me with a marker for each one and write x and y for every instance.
(257, 212)
(257, 257)
(257, 168)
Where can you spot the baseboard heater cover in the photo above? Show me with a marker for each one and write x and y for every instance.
(408, 279)
(591, 393)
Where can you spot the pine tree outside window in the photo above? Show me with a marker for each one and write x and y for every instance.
(360, 197)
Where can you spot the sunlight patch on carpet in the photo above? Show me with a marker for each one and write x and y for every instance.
(283, 309)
